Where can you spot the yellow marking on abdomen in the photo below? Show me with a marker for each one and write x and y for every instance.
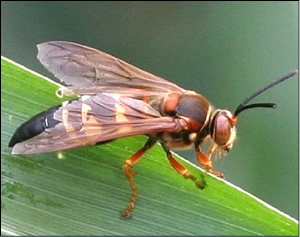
(65, 117)
(84, 112)
(120, 111)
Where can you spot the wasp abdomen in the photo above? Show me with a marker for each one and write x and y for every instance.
(34, 126)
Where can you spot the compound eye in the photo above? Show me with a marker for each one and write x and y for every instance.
(222, 129)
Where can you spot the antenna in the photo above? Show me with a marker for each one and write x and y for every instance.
(243, 105)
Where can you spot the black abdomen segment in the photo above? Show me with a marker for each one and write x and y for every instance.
(34, 126)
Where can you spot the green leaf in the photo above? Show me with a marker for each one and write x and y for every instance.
(82, 191)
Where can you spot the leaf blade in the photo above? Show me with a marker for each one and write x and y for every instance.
(84, 193)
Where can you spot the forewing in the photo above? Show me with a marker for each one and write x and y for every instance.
(91, 71)
(96, 119)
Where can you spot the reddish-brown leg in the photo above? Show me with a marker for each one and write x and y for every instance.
(182, 170)
(129, 172)
(206, 162)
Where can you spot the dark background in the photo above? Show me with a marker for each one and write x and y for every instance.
(223, 50)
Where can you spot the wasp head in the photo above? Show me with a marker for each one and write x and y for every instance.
(222, 129)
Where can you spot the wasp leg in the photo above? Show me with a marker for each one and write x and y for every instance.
(182, 170)
(129, 172)
(206, 162)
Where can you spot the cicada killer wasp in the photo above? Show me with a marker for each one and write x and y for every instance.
(118, 100)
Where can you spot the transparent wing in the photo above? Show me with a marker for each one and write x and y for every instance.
(96, 119)
(91, 71)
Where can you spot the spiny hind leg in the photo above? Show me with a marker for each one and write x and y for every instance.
(129, 173)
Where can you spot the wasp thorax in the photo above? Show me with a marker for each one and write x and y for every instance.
(222, 129)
